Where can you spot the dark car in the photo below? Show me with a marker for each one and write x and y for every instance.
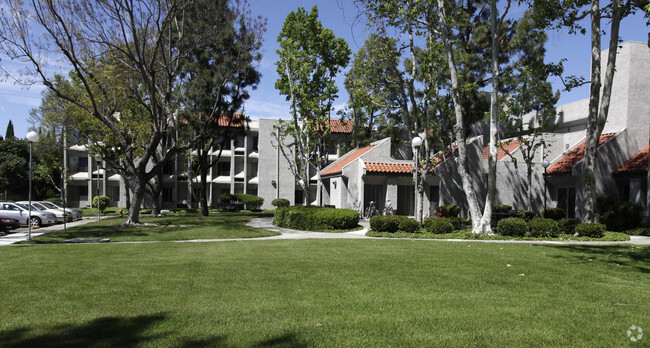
(8, 224)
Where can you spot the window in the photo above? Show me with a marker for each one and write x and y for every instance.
(167, 194)
(168, 168)
(223, 168)
(82, 164)
(566, 199)
(299, 197)
(255, 143)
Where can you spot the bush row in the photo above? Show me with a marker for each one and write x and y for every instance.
(548, 228)
(395, 223)
(315, 218)
(251, 202)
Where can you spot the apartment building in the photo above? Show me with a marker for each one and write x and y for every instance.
(374, 174)
(249, 162)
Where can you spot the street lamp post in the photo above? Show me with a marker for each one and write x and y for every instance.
(545, 164)
(32, 137)
(416, 142)
(98, 158)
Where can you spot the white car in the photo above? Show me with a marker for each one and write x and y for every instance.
(21, 212)
(60, 215)
(76, 213)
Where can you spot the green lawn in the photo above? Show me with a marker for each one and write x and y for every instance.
(330, 293)
(164, 228)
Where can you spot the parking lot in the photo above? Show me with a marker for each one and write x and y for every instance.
(20, 234)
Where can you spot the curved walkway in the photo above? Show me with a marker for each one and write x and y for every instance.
(285, 233)
(267, 224)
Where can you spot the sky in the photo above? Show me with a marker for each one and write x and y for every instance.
(341, 17)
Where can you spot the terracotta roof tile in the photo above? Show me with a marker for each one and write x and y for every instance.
(510, 146)
(566, 163)
(338, 126)
(638, 163)
(337, 167)
(393, 168)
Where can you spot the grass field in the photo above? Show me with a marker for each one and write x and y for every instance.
(329, 293)
(164, 228)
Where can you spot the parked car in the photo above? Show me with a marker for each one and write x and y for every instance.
(21, 212)
(7, 223)
(76, 213)
(60, 215)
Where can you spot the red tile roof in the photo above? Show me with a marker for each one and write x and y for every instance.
(238, 121)
(338, 126)
(566, 163)
(510, 146)
(638, 163)
(393, 168)
(337, 167)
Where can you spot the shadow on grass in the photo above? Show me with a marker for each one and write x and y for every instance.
(624, 255)
(120, 332)
(102, 332)
(289, 340)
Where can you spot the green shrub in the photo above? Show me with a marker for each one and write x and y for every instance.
(409, 225)
(226, 198)
(592, 230)
(458, 222)
(315, 218)
(513, 226)
(567, 226)
(438, 225)
(251, 202)
(449, 210)
(502, 208)
(103, 202)
(525, 214)
(55, 200)
(543, 228)
(388, 223)
(553, 213)
(604, 203)
(145, 211)
(280, 202)
(622, 215)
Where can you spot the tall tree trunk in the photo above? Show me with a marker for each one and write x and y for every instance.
(203, 194)
(485, 227)
(459, 130)
(138, 183)
(598, 113)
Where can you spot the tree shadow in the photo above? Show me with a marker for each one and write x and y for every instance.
(623, 255)
(102, 332)
(289, 340)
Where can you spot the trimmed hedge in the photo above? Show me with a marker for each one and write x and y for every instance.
(391, 223)
(622, 216)
(409, 225)
(439, 225)
(543, 228)
(502, 208)
(592, 230)
(567, 226)
(251, 202)
(226, 198)
(458, 222)
(553, 213)
(280, 202)
(315, 218)
(525, 214)
(513, 226)
(449, 210)
(103, 202)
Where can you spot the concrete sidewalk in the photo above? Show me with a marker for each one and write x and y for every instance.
(285, 233)
(20, 234)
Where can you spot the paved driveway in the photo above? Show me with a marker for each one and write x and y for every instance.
(20, 234)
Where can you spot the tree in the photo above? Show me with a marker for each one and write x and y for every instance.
(10, 131)
(310, 58)
(216, 73)
(558, 14)
(125, 58)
